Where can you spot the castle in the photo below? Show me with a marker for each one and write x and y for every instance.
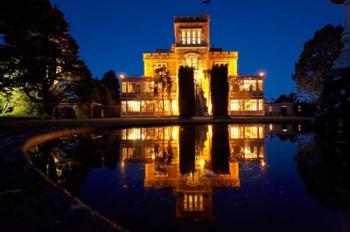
(145, 96)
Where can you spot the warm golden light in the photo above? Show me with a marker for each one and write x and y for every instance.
(159, 149)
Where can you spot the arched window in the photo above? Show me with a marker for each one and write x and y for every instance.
(192, 60)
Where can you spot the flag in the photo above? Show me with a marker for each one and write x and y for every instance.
(206, 1)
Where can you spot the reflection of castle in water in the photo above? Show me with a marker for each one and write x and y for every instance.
(193, 160)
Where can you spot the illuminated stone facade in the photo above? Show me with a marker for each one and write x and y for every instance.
(146, 96)
(160, 151)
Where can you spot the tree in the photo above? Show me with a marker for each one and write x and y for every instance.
(38, 55)
(162, 78)
(187, 143)
(291, 98)
(110, 88)
(316, 60)
(220, 150)
(186, 92)
(219, 90)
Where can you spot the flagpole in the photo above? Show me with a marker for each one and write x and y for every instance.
(204, 2)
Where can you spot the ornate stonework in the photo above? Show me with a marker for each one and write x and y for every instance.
(190, 48)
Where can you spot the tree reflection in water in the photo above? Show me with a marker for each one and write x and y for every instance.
(187, 149)
(323, 162)
(68, 161)
(220, 149)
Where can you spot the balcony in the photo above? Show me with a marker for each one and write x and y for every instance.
(246, 94)
(203, 44)
(145, 96)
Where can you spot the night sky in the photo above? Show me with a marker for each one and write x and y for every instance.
(268, 34)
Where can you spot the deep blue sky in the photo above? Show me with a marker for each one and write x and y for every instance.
(268, 34)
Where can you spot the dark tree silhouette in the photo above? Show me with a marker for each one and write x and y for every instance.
(323, 164)
(38, 54)
(187, 101)
(110, 88)
(316, 60)
(219, 90)
(220, 151)
(187, 149)
(291, 98)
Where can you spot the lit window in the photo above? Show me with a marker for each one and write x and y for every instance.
(250, 152)
(199, 35)
(123, 106)
(194, 37)
(234, 132)
(124, 87)
(234, 105)
(131, 87)
(183, 37)
(134, 134)
(124, 152)
(261, 132)
(201, 205)
(124, 134)
(188, 37)
(134, 106)
(148, 87)
(249, 85)
(191, 60)
(251, 132)
(260, 85)
(191, 36)
(149, 106)
(261, 104)
(250, 105)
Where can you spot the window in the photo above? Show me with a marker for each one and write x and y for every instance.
(237, 105)
(133, 134)
(246, 132)
(251, 105)
(123, 106)
(260, 85)
(131, 87)
(124, 87)
(183, 37)
(147, 106)
(193, 202)
(261, 132)
(236, 132)
(194, 37)
(188, 36)
(261, 104)
(199, 35)
(234, 106)
(158, 66)
(191, 36)
(134, 106)
(250, 152)
(249, 85)
(192, 60)
(148, 86)
(251, 132)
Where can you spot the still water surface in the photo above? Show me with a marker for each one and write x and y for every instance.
(249, 177)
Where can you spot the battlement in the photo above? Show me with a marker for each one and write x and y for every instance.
(192, 19)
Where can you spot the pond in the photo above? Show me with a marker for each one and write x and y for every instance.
(236, 177)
